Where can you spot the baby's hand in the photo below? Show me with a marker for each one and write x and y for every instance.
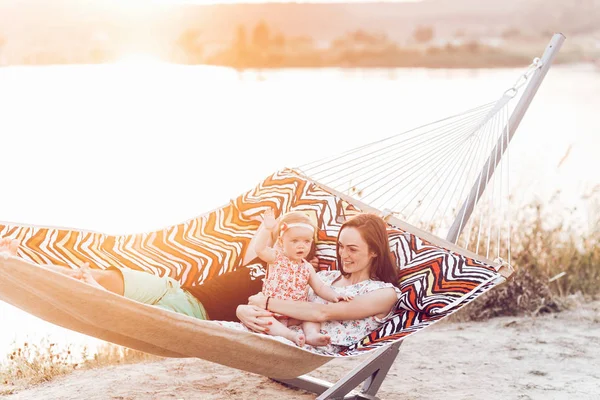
(340, 297)
(269, 221)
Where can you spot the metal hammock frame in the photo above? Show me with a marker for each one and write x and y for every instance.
(374, 370)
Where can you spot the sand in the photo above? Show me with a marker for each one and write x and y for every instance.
(553, 356)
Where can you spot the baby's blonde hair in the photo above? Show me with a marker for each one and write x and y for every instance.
(294, 217)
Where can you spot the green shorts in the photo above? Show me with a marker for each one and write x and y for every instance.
(163, 292)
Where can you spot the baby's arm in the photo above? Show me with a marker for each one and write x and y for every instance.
(322, 290)
(263, 238)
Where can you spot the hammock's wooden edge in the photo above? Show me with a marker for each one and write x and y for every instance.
(177, 334)
(405, 226)
(506, 271)
(68, 321)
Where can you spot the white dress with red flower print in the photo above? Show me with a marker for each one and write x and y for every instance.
(345, 333)
(342, 333)
(287, 279)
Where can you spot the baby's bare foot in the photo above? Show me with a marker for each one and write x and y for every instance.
(318, 339)
(300, 339)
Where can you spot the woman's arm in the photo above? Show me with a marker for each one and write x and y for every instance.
(376, 303)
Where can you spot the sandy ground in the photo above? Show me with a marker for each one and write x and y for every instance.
(546, 357)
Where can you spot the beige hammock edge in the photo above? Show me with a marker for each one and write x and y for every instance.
(77, 306)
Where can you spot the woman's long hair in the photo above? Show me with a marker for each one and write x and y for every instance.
(373, 230)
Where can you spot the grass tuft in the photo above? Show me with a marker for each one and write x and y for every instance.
(554, 264)
(31, 364)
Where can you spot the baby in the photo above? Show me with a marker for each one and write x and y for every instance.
(289, 274)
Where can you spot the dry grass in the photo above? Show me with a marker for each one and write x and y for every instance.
(31, 364)
(111, 354)
(552, 265)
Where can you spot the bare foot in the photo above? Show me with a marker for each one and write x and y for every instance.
(9, 247)
(86, 276)
(318, 339)
(296, 337)
(73, 273)
(300, 339)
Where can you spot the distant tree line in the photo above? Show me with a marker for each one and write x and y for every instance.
(261, 46)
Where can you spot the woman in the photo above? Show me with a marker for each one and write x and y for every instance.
(366, 273)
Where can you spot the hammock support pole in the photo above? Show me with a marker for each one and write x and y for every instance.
(374, 370)
(515, 119)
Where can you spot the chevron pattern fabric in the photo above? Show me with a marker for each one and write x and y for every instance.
(435, 282)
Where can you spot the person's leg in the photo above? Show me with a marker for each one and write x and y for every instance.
(181, 301)
(314, 337)
(278, 329)
(111, 280)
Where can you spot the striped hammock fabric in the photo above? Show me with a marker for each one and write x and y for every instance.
(435, 281)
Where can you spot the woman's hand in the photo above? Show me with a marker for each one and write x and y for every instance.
(314, 263)
(253, 317)
(258, 300)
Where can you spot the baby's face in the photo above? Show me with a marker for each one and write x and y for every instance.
(296, 242)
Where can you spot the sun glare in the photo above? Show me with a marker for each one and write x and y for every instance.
(139, 58)
(209, 2)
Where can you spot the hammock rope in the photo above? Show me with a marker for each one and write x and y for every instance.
(328, 161)
(423, 174)
(390, 149)
(416, 162)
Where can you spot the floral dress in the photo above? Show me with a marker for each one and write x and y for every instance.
(287, 279)
(342, 333)
(345, 333)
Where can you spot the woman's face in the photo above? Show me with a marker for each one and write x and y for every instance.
(354, 251)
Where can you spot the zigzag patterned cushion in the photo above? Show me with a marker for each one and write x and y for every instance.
(433, 279)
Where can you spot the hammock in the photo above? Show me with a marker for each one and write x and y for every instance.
(437, 277)
(436, 281)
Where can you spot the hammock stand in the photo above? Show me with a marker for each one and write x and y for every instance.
(24, 284)
(373, 371)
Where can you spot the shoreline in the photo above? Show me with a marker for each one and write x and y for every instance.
(588, 63)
